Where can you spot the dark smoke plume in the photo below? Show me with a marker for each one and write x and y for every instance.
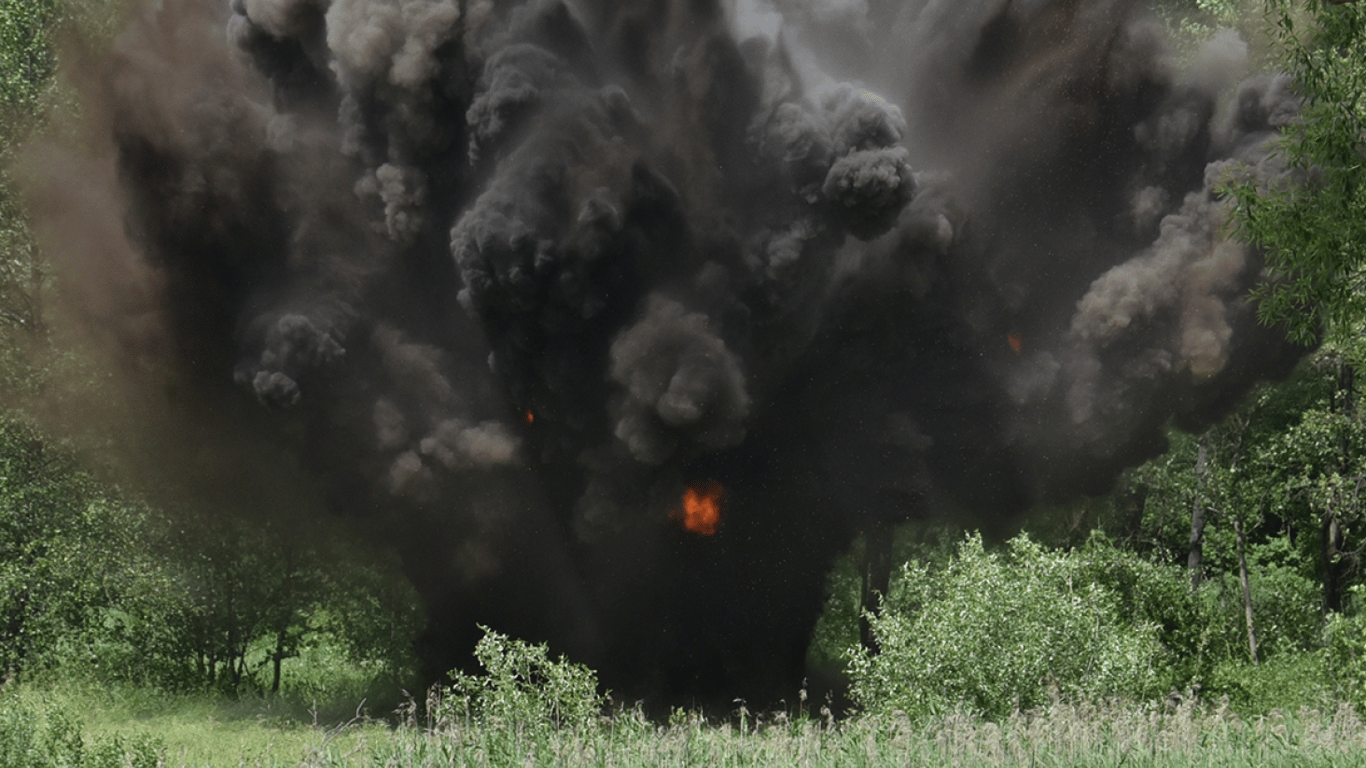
(504, 279)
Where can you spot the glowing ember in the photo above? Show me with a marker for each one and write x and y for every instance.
(530, 417)
(1015, 341)
(701, 511)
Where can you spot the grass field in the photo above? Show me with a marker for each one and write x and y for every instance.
(135, 729)
(183, 730)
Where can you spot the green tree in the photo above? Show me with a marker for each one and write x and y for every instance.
(27, 64)
(236, 605)
(1312, 223)
(1311, 474)
(1193, 21)
(27, 60)
(30, 96)
(1238, 474)
(64, 552)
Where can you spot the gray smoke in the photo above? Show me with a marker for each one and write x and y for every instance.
(505, 278)
(683, 390)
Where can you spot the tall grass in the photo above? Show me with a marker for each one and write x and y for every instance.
(74, 725)
(531, 710)
(1059, 735)
(44, 729)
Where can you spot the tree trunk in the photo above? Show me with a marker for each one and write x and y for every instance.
(286, 603)
(276, 659)
(239, 665)
(1247, 590)
(1194, 558)
(877, 576)
(1330, 540)
(1344, 400)
(230, 615)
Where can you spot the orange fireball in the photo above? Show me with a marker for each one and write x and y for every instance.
(701, 510)
(1015, 341)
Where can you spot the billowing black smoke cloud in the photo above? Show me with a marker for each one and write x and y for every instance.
(505, 278)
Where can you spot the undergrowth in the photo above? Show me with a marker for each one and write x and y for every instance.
(532, 710)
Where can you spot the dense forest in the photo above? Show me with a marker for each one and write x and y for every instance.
(1224, 575)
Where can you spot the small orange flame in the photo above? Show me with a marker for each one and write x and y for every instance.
(530, 417)
(701, 511)
(1015, 341)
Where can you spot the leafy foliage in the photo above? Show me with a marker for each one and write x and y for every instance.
(1286, 605)
(1346, 654)
(523, 688)
(1312, 225)
(63, 549)
(54, 738)
(1191, 22)
(97, 586)
(838, 627)
(1154, 595)
(1286, 682)
(996, 632)
(27, 60)
(1286, 465)
(31, 98)
(228, 603)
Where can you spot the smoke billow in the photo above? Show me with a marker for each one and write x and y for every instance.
(506, 279)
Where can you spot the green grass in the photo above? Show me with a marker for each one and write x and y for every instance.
(189, 730)
(201, 731)
(1057, 736)
(206, 733)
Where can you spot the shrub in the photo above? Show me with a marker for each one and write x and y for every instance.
(54, 738)
(1285, 610)
(1286, 681)
(523, 688)
(1345, 647)
(995, 633)
(1157, 595)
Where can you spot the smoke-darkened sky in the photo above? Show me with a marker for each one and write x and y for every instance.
(504, 280)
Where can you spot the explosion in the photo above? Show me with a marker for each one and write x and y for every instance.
(701, 510)
(497, 277)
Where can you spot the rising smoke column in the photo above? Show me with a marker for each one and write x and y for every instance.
(518, 283)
